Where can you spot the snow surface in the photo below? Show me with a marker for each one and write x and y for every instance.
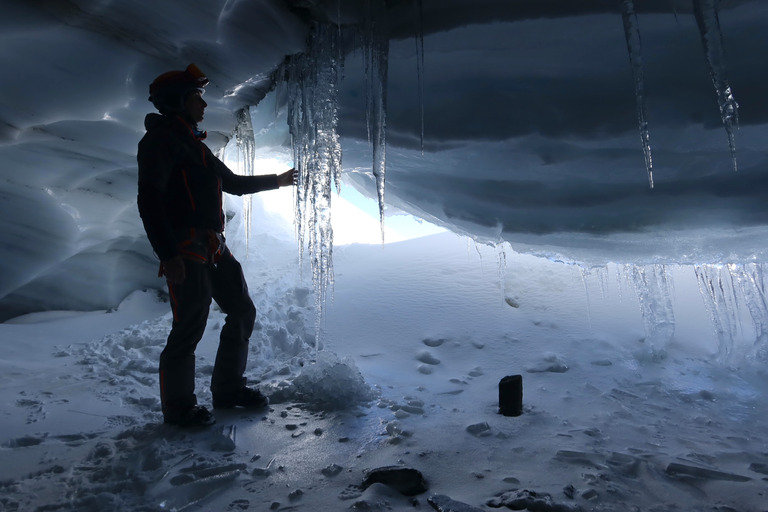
(416, 339)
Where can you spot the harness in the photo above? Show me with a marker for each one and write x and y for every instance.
(204, 246)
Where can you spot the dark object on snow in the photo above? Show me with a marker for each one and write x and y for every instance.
(532, 501)
(249, 398)
(479, 429)
(511, 395)
(443, 503)
(195, 416)
(407, 481)
(708, 474)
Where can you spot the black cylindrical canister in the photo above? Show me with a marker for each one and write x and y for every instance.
(511, 395)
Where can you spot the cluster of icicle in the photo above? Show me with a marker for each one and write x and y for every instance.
(246, 145)
(727, 291)
(735, 297)
(311, 80)
(654, 288)
(312, 85)
(708, 21)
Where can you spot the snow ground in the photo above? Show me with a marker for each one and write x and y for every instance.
(416, 339)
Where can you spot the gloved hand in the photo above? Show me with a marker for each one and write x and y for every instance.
(288, 178)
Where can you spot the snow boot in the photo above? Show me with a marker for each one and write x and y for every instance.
(195, 416)
(249, 398)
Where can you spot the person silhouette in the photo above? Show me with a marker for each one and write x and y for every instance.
(180, 185)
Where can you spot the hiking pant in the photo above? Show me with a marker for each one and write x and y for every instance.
(190, 302)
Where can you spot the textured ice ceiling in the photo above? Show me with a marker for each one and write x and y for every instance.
(529, 115)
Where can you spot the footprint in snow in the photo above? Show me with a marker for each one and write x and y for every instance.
(35, 408)
(433, 343)
(476, 372)
(427, 358)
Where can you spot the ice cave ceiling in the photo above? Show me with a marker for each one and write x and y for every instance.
(533, 116)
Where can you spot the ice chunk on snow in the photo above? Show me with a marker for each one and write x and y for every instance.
(332, 383)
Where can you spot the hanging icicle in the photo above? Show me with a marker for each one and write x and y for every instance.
(729, 290)
(375, 45)
(419, 37)
(312, 82)
(244, 138)
(708, 21)
(634, 47)
(751, 281)
(654, 289)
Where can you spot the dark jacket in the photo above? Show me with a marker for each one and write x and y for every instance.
(181, 184)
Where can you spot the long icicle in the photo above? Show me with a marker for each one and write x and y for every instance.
(244, 137)
(375, 42)
(708, 20)
(419, 37)
(634, 47)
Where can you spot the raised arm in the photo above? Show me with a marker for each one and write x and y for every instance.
(238, 185)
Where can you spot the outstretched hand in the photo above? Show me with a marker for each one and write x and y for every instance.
(288, 178)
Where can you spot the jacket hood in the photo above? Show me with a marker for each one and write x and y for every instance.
(154, 120)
